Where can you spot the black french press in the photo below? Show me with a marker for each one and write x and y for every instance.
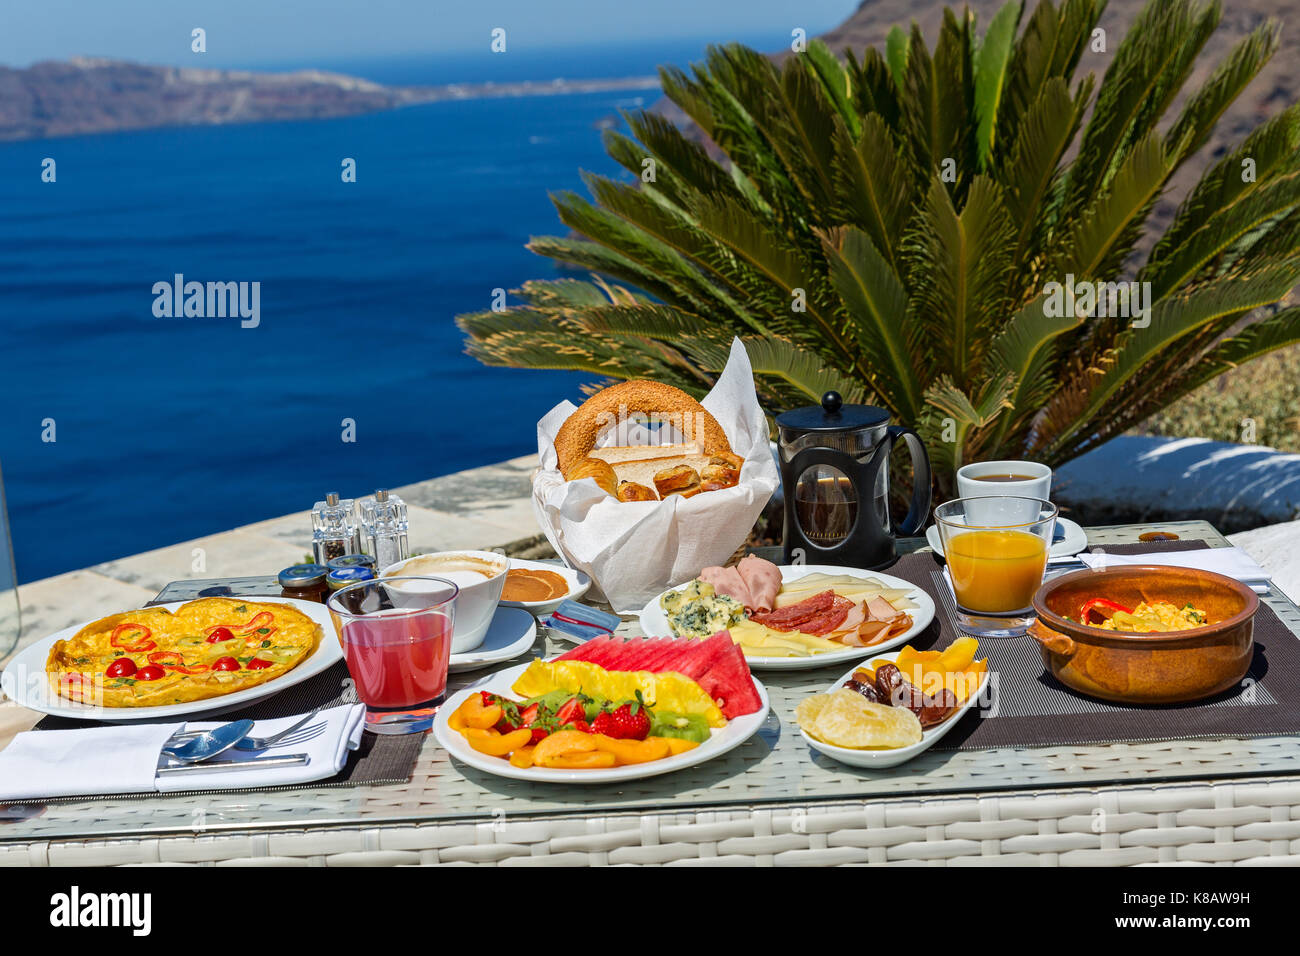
(834, 459)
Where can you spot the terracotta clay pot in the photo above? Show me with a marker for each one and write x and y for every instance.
(1132, 668)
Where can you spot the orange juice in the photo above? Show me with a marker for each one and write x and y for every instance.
(995, 571)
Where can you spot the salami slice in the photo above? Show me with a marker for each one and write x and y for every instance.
(789, 618)
(829, 620)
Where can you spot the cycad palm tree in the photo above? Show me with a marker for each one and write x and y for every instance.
(888, 226)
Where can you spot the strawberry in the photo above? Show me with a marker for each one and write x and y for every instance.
(539, 734)
(570, 711)
(529, 715)
(583, 726)
(630, 721)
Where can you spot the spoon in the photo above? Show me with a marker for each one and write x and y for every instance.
(209, 743)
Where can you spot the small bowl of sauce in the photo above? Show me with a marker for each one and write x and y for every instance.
(540, 587)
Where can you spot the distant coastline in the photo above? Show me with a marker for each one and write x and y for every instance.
(91, 95)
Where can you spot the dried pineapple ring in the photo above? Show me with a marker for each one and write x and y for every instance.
(845, 718)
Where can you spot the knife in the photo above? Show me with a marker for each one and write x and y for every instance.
(255, 763)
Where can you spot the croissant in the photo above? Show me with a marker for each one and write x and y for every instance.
(595, 468)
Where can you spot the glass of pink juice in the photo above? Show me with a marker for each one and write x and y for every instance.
(396, 637)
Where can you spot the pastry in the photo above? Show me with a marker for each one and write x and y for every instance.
(724, 469)
(595, 468)
(577, 436)
(677, 480)
(631, 491)
(696, 458)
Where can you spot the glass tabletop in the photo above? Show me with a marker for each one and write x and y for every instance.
(774, 767)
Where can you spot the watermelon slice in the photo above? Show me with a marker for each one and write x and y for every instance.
(717, 664)
(630, 655)
(595, 650)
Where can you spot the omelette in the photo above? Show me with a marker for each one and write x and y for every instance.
(206, 648)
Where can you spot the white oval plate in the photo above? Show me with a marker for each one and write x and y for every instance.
(880, 759)
(1075, 540)
(654, 622)
(25, 682)
(579, 584)
(511, 632)
(723, 739)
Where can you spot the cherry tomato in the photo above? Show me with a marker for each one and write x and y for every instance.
(221, 634)
(257, 664)
(150, 672)
(225, 664)
(122, 667)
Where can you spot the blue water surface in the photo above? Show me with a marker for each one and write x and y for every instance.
(167, 429)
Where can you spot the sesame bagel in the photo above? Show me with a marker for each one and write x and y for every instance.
(577, 436)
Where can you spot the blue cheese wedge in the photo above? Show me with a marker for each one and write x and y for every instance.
(697, 611)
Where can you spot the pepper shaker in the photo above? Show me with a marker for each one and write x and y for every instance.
(333, 529)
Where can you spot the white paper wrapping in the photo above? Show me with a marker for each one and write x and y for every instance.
(633, 550)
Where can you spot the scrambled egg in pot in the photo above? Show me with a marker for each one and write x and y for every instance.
(1158, 617)
(206, 648)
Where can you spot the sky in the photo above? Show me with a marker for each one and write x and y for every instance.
(264, 33)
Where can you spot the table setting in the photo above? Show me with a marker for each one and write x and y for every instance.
(963, 647)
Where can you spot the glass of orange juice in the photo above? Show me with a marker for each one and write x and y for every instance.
(996, 548)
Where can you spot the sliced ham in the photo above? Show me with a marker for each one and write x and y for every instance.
(763, 578)
(727, 582)
(878, 609)
(857, 614)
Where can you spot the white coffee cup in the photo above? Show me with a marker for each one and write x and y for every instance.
(480, 575)
(1033, 481)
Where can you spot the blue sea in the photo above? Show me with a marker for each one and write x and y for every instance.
(166, 429)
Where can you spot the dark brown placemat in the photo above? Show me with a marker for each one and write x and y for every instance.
(379, 759)
(1026, 707)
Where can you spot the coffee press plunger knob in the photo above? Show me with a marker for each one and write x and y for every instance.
(831, 402)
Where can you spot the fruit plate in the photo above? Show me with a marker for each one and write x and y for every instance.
(578, 583)
(881, 759)
(25, 682)
(723, 739)
(654, 622)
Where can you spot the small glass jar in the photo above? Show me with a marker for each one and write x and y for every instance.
(351, 561)
(305, 582)
(339, 578)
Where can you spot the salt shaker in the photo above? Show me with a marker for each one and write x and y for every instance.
(384, 527)
(333, 529)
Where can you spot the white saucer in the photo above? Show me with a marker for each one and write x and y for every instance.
(510, 634)
(1075, 540)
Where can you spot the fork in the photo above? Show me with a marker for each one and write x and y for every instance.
(262, 743)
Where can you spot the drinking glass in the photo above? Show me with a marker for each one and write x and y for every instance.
(996, 550)
(396, 637)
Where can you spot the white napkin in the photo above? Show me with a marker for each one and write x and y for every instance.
(635, 550)
(329, 752)
(65, 763)
(41, 764)
(1232, 562)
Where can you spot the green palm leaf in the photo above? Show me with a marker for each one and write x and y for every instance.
(889, 226)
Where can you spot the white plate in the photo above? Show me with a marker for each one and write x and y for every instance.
(723, 739)
(1075, 540)
(25, 682)
(579, 584)
(880, 759)
(654, 622)
(511, 632)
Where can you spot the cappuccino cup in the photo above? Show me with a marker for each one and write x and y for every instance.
(480, 575)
